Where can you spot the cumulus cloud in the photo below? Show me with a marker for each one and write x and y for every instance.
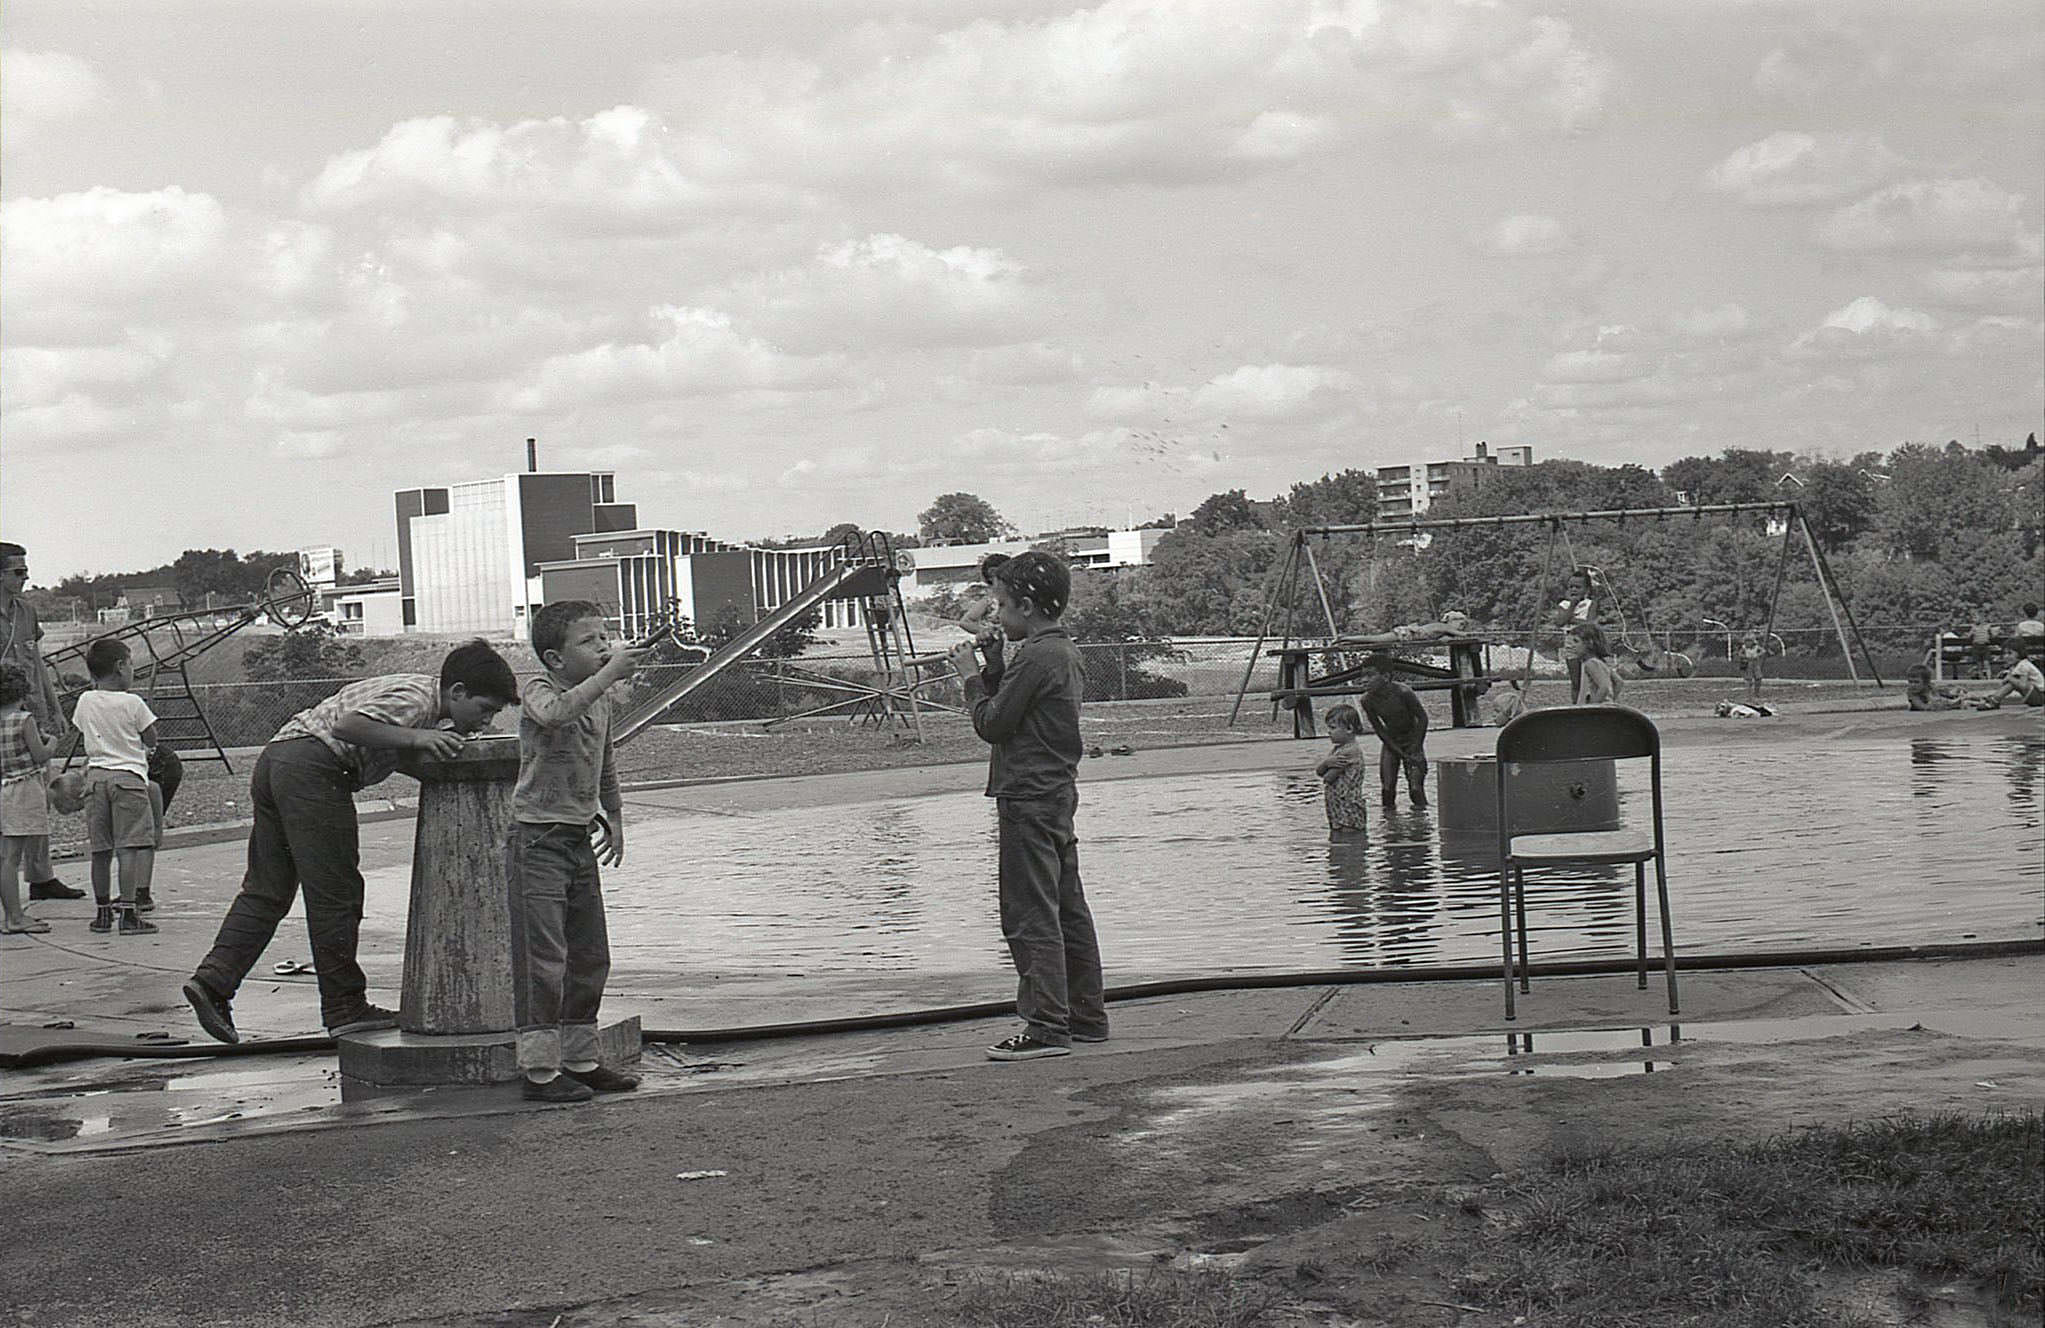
(888, 290)
(1522, 235)
(1251, 392)
(1866, 329)
(699, 351)
(1131, 90)
(1789, 168)
(1028, 364)
(1595, 366)
(623, 167)
(41, 86)
(105, 246)
(2003, 289)
(1819, 62)
(1725, 320)
(1929, 216)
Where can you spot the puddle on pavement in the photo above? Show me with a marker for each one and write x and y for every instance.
(144, 1105)
(1852, 842)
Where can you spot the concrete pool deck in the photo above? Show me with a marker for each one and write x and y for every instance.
(850, 1179)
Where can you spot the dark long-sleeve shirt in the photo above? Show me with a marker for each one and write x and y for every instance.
(1032, 717)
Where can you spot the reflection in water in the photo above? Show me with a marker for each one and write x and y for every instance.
(1840, 843)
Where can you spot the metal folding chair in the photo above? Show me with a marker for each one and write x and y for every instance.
(1579, 733)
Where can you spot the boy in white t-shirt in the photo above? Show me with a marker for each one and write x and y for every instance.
(119, 730)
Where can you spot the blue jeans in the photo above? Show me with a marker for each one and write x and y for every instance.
(560, 948)
(1045, 920)
(304, 834)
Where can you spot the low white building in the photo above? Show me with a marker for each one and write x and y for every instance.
(373, 608)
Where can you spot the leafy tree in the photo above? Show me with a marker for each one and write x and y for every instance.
(1838, 499)
(315, 650)
(1203, 585)
(962, 518)
(1221, 513)
(1736, 475)
(730, 620)
(1348, 498)
(1934, 496)
(838, 532)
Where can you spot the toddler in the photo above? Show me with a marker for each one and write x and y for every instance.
(24, 797)
(1341, 772)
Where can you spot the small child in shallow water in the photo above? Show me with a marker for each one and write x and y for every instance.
(1341, 772)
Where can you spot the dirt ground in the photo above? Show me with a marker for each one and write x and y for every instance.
(1302, 1139)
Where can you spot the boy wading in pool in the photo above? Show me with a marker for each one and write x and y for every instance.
(1399, 719)
(1031, 716)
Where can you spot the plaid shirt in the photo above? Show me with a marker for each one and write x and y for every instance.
(15, 760)
(408, 700)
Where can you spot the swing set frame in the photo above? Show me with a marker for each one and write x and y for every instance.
(1284, 587)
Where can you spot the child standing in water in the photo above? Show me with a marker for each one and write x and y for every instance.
(1341, 772)
(1399, 719)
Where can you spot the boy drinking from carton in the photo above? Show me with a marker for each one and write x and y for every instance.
(1341, 772)
(119, 731)
(305, 832)
(567, 790)
(1031, 716)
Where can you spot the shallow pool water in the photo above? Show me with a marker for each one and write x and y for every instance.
(1842, 844)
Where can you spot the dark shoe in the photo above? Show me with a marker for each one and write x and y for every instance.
(604, 1079)
(102, 921)
(563, 1087)
(1024, 1047)
(211, 1010)
(368, 1019)
(133, 925)
(53, 889)
(1420, 800)
(144, 902)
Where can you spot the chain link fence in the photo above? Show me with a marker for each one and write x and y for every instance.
(837, 684)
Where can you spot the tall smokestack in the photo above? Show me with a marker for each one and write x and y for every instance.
(532, 454)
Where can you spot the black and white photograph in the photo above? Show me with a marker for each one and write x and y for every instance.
(1022, 663)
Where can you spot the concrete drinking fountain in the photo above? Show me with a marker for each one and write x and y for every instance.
(456, 1024)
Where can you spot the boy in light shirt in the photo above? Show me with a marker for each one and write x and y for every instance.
(119, 732)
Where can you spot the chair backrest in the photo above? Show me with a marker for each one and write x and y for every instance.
(1579, 733)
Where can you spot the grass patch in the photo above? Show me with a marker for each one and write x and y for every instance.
(1733, 1235)
(1159, 1298)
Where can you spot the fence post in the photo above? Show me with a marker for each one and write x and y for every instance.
(1122, 654)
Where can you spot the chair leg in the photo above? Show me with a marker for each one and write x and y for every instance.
(1640, 920)
(1661, 885)
(1505, 936)
(1519, 891)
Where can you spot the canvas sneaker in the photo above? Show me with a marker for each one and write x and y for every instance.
(604, 1079)
(563, 1087)
(212, 1011)
(368, 1019)
(1024, 1047)
(134, 924)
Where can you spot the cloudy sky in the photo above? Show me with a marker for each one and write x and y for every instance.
(782, 264)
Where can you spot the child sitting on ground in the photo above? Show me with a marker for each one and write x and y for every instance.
(24, 797)
(119, 731)
(1341, 772)
(1506, 703)
(2023, 680)
(1031, 718)
(1399, 719)
(303, 795)
(567, 793)
(1924, 695)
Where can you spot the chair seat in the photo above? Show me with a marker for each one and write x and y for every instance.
(1583, 846)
